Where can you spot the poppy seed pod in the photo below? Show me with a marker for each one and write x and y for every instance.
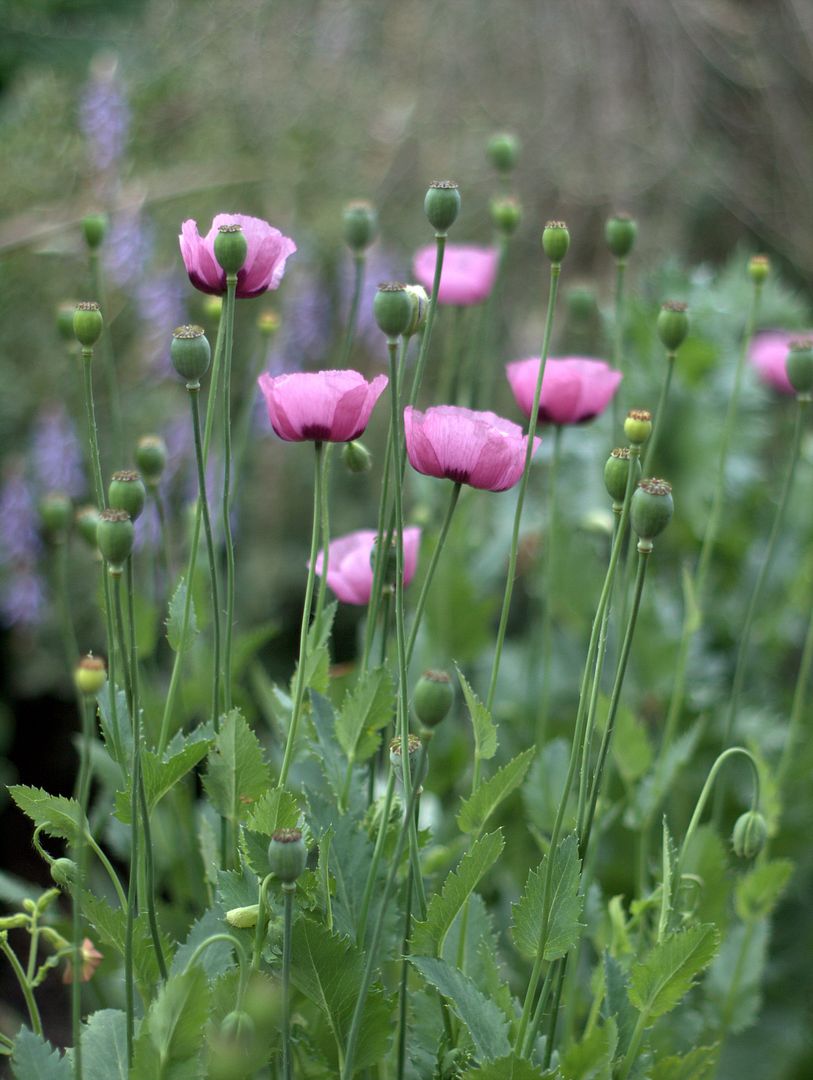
(651, 508)
(190, 353)
(433, 697)
(231, 247)
(393, 309)
(360, 222)
(506, 214)
(442, 205)
(90, 675)
(151, 458)
(620, 233)
(749, 834)
(127, 492)
(114, 535)
(356, 457)
(94, 230)
(759, 266)
(414, 746)
(799, 366)
(638, 426)
(56, 514)
(87, 323)
(287, 855)
(555, 241)
(672, 325)
(617, 470)
(503, 151)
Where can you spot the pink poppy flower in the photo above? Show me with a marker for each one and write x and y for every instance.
(574, 388)
(467, 276)
(768, 354)
(264, 266)
(476, 448)
(325, 406)
(91, 958)
(350, 563)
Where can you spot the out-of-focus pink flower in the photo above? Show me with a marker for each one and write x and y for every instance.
(768, 354)
(574, 388)
(91, 958)
(326, 406)
(264, 266)
(467, 276)
(476, 448)
(350, 563)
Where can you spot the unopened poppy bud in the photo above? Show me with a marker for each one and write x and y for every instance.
(64, 872)
(151, 458)
(414, 746)
(114, 535)
(673, 325)
(268, 323)
(56, 514)
(638, 426)
(651, 509)
(506, 214)
(616, 472)
(231, 248)
(759, 266)
(392, 308)
(356, 457)
(503, 151)
(127, 492)
(190, 353)
(87, 323)
(442, 205)
(90, 675)
(620, 233)
(749, 835)
(87, 522)
(64, 320)
(799, 366)
(360, 222)
(237, 1028)
(287, 854)
(243, 917)
(420, 306)
(555, 241)
(433, 698)
(94, 229)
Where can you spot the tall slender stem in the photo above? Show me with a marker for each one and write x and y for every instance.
(430, 573)
(228, 312)
(550, 581)
(482, 388)
(375, 862)
(423, 352)
(618, 330)
(288, 891)
(359, 263)
(324, 539)
(25, 986)
(660, 414)
(797, 707)
(108, 357)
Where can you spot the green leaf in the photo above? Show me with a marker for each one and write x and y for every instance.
(564, 905)
(666, 974)
(276, 809)
(481, 804)
(649, 794)
(544, 786)
(56, 815)
(632, 747)
(698, 1064)
(733, 986)
(237, 773)
(485, 732)
(175, 619)
(758, 892)
(109, 924)
(619, 940)
(170, 1039)
(121, 731)
(327, 749)
(366, 709)
(668, 866)
(616, 1001)
(429, 936)
(160, 776)
(104, 1046)
(484, 1020)
(248, 644)
(507, 1068)
(592, 1058)
(35, 1059)
(317, 659)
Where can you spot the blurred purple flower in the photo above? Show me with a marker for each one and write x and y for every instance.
(104, 115)
(128, 248)
(22, 593)
(56, 453)
(159, 299)
(180, 449)
(148, 528)
(305, 332)
(22, 599)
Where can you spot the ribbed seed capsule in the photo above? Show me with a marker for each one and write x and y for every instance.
(673, 325)
(616, 472)
(651, 509)
(127, 492)
(231, 248)
(442, 205)
(555, 241)
(287, 854)
(620, 233)
(433, 697)
(114, 535)
(749, 835)
(190, 352)
(393, 309)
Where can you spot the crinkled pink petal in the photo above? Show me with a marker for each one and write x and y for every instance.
(768, 354)
(325, 406)
(574, 388)
(350, 570)
(267, 251)
(468, 273)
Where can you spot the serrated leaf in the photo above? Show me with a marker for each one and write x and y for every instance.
(237, 773)
(733, 986)
(668, 866)
(118, 730)
(481, 804)
(429, 936)
(276, 809)
(104, 1046)
(592, 1058)
(564, 905)
(507, 1068)
(330, 756)
(631, 747)
(217, 958)
(35, 1059)
(483, 1019)
(175, 619)
(109, 924)
(317, 657)
(485, 731)
(650, 792)
(366, 709)
(56, 815)
(667, 973)
(698, 1064)
(544, 786)
(171, 1034)
(758, 892)
(160, 776)
(616, 1001)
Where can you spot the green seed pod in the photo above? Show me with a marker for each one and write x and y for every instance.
(87, 323)
(433, 697)
(759, 267)
(503, 151)
(651, 508)
(151, 458)
(190, 353)
(127, 492)
(616, 472)
(442, 205)
(64, 872)
(94, 229)
(360, 222)
(87, 522)
(420, 306)
(287, 855)
(392, 308)
(56, 514)
(90, 675)
(749, 834)
(414, 745)
(638, 426)
(555, 241)
(506, 214)
(64, 320)
(672, 325)
(620, 233)
(243, 917)
(582, 306)
(356, 457)
(231, 248)
(115, 535)
(799, 366)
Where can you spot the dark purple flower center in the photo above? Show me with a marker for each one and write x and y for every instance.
(317, 432)
(458, 476)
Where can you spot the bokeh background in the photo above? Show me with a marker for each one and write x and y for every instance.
(695, 116)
